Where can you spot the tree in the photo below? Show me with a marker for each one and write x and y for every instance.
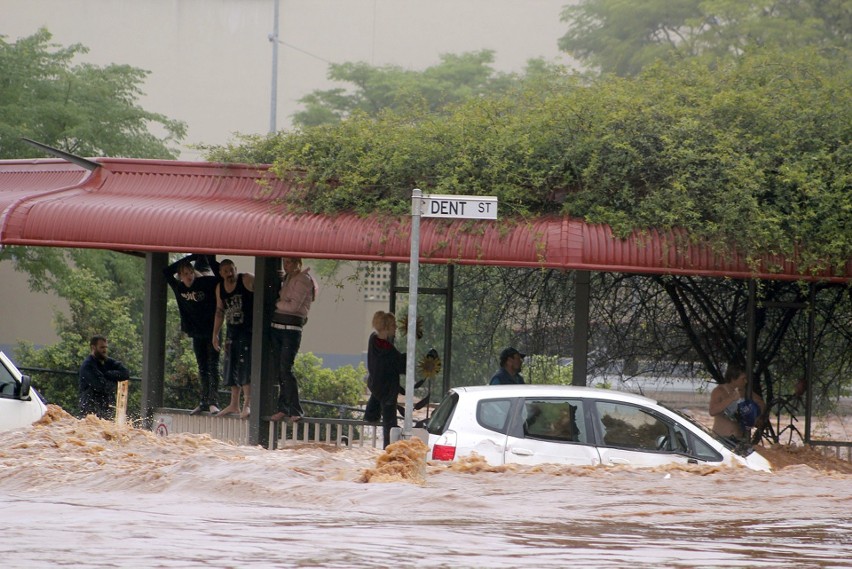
(623, 37)
(743, 152)
(747, 155)
(81, 108)
(374, 89)
(342, 386)
(96, 307)
(86, 110)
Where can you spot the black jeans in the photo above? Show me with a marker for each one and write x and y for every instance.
(208, 371)
(389, 413)
(286, 344)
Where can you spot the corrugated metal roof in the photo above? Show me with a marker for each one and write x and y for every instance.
(152, 205)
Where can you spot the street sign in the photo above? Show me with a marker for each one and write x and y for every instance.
(467, 207)
(434, 205)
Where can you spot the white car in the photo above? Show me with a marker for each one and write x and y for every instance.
(20, 404)
(559, 424)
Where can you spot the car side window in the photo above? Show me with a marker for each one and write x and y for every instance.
(8, 385)
(674, 441)
(630, 427)
(441, 419)
(554, 420)
(704, 451)
(493, 414)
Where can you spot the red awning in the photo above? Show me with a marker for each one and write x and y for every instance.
(165, 206)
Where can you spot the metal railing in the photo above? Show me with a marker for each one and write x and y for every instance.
(313, 430)
(232, 429)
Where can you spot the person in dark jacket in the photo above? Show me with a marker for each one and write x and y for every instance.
(98, 377)
(195, 291)
(511, 362)
(385, 364)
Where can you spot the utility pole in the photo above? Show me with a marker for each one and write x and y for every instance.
(273, 103)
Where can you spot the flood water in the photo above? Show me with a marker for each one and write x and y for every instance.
(89, 493)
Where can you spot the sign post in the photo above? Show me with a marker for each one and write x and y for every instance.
(121, 401)
(434, 205)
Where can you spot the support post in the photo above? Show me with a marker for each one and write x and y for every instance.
(153, 336)
(809, 369)
(582, 293)
(263, 375)
(448, 327)
(750, 336)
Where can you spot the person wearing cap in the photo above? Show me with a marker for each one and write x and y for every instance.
(511, 362)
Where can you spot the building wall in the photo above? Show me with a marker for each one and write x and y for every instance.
(25, 315)
(210, 61)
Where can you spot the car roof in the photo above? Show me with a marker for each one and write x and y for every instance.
(541, 390)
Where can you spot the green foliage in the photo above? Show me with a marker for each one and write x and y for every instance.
(374, 89)
(96, 307)
(80, 108)
(548, 370)
(749, 154)
(623, 37)
(341, 386)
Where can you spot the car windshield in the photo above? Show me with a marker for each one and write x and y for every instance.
(740, 449)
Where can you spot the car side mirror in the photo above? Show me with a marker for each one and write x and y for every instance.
(26, 382)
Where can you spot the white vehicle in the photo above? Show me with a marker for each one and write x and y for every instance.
(20, 404)
(559, 424)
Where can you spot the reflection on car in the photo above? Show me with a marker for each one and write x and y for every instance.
(20, 404)
(538, 424)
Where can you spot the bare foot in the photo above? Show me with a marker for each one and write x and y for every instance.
(246, 412)
(296, 418)
(227, 410)
(279, 416)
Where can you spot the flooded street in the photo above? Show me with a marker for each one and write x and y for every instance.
(91, 494)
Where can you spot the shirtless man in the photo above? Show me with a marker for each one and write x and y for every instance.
(724, 399)
(235, 305)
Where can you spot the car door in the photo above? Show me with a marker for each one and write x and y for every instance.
(551, 430)
(15, 411)
(632, 435)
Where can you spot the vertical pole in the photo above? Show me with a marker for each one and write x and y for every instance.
(273, 106)
(393, 283)
(750, 337)
(411, 335)
(448, 327)
(264, 378)
(582, 288)
(809, 366)
(153, 336)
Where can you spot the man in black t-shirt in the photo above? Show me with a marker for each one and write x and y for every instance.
(234, 306)
(196, 299)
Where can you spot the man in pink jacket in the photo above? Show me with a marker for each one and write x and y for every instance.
(298, 290)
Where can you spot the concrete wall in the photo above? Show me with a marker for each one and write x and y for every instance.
(25, 315)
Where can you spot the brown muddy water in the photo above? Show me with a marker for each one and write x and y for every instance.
(89, 493)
